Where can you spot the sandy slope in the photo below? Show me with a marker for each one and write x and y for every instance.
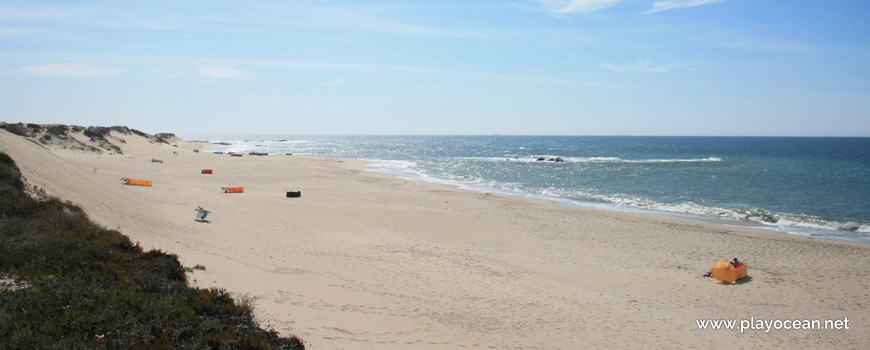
(367, 261)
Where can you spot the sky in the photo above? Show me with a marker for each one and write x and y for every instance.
(523, 67)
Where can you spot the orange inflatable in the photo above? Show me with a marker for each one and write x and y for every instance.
(724, 272)
(228, 189)
(129, 181)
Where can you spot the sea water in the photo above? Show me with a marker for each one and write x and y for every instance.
(807, 186)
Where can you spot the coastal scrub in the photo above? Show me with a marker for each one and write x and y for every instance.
(69, 283)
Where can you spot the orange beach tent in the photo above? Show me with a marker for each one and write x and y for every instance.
(228, 189)
(129, 181)
(724, 271)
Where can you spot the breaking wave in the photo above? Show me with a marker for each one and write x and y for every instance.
(804, 225)
(535, 159)
(634, 174)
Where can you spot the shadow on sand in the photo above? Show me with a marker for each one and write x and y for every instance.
(743, 280)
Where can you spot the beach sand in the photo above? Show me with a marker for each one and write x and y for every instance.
(365, 260)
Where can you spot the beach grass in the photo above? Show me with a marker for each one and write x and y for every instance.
(69, 283)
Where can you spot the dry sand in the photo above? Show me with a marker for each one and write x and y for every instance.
(364, 260)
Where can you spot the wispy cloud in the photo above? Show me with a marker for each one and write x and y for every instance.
(373, 22)
(13, 31)
(576, 6)
(673, 4)
(644, 65)
(197, 63)
(70, 70)
(164, 74)
(767, 45)
(215, 72)
(385, 18)
(91, 15)
(334, 82)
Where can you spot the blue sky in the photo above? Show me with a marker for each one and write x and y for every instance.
(546, 67)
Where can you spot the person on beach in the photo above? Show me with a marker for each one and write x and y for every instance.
(735, 262)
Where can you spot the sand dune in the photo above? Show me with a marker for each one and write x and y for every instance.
(364, 260)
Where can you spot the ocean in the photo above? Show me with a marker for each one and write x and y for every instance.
(816, 187)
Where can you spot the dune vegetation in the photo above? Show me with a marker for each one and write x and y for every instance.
(67, 283)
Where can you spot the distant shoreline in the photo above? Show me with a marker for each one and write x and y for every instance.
(845, 230)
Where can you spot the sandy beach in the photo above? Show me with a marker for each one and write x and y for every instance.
(365, 260)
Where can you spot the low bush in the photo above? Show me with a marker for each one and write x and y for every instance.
(83, 286)
(17, 129)
(58, 130)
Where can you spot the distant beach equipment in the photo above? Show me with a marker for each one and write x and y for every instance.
(206, 171)
(134, 182)
(218, 152)
(236, 154)
(296, 194)
(228, 189)
(201, 213)
(725, 272)
(155, 160)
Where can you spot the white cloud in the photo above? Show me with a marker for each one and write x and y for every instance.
(673, 4)
(215, 72)
(334, 82)
(12, 31)
(644, 65)
(165, 74)
(576, 6)
(70, 70)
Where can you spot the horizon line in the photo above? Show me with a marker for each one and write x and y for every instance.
(521, 135)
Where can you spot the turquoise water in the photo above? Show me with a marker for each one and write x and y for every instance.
(807, 186)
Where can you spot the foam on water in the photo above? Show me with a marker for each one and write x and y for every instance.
(760, 218)
(402, 168)
(760, 182)
(546, 158)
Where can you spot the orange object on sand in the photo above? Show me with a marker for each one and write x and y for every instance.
(129, 181)
(235, 190)
(724, 271)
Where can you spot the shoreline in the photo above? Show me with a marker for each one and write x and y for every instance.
(372, 165)
(757, 216)
(727, 222)
(368, 260)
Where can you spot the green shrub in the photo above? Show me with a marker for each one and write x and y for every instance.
(121, 129)
(163, 137)
(97, 132)
(17, 129)
(88, 287)
(58, 130)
